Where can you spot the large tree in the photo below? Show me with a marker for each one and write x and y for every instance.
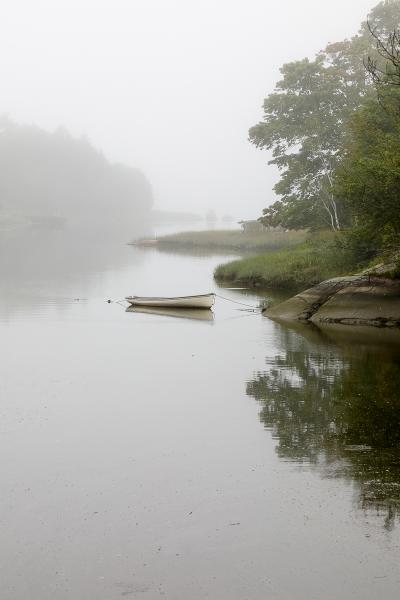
(305, 120)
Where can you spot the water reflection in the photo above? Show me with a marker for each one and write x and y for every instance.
(332, 401)
(196, 314)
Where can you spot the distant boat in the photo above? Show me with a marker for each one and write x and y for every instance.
(200, 301)
(197, 314)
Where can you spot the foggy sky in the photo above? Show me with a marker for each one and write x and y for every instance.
(169, 86)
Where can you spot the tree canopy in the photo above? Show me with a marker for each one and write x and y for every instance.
(306, 120)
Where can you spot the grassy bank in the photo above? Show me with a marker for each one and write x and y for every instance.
(294, 268)
(232, 240)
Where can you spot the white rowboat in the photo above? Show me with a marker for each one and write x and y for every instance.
(201, 301)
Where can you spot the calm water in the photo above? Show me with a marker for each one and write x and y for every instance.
(147, 456)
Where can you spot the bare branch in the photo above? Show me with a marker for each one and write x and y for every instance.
(389, 50)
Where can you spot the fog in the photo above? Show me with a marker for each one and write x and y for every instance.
(153, 451)
(167, 86)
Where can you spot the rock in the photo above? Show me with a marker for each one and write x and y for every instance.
(356, 300)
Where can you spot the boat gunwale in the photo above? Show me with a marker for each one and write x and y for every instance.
(170, 297)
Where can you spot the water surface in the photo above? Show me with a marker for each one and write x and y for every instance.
(150, 456)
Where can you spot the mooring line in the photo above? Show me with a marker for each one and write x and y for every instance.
(255, 308)
(109, 301)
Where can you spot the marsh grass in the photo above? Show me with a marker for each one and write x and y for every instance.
(297, 267)
(234, 239)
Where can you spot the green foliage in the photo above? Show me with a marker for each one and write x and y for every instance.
(305, 123)
(369, 177)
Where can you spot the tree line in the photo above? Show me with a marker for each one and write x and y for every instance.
(55, 178)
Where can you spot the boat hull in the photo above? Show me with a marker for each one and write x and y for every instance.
(201, 301)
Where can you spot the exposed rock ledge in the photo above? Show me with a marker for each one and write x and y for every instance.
(357, 300)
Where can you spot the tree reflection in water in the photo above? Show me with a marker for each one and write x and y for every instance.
(335, 404)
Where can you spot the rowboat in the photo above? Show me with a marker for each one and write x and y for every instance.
(200, 301)
(196, 314)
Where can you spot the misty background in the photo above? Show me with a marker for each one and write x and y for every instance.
(169, 87)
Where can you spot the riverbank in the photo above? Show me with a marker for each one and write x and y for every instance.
(332, 295)
(231, 239)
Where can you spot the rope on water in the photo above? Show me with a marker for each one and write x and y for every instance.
(109, 301)
(254, 308)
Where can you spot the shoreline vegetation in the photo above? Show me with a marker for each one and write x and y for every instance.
(227, 240)
(292, 260)
(296, 267)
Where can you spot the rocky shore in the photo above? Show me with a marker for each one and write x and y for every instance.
(363, 299)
